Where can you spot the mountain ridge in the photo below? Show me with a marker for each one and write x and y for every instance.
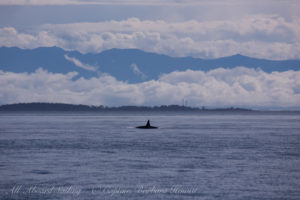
(131, 65)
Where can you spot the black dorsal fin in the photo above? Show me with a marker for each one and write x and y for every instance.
(148, 123)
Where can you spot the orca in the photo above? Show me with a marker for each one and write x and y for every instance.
(148, 126)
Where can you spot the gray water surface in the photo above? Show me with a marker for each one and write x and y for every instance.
(191, 156)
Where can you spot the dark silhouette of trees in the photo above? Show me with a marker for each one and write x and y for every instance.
(72, 107)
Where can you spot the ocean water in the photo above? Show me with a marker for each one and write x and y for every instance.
(212, 155)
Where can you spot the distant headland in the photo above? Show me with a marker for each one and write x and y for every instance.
(87, 108)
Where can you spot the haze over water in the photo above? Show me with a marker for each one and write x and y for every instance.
(212, 155)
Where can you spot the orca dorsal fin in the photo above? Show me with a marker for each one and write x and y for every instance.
(148, 123)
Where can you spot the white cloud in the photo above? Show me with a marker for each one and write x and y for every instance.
(10, 37)
(137, 71)
(78, 63)
(240, 86)
(262, 36)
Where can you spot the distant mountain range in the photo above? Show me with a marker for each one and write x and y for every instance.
(85, 108)
(131, 65)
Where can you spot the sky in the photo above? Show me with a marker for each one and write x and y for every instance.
(267, 29)
(206, 29)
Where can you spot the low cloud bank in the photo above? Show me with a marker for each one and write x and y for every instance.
(136, 70)
(240, 86)
(80, 64)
